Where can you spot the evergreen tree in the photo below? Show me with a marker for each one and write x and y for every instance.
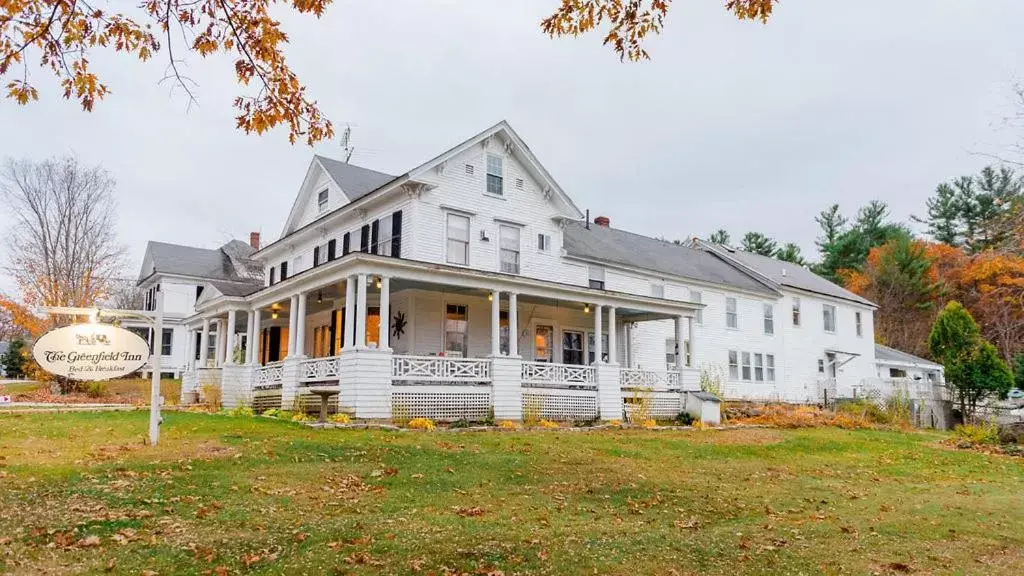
(790, 252)
(758, 243)
(719, 236)
(832, 223)
(14, 359)
(943, 218)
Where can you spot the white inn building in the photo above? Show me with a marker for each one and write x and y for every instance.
(472, 285)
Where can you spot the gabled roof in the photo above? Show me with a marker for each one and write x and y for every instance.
(786, 274)
(354, 181)
(606, 244)
(884, 354)
(229, 263)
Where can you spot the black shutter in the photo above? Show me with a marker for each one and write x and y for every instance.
(316, 256)
(331, 250)
(374, 236)
(345, 247)
(198, 347)
(364, 238)
(396, 234)
(334, 330)
(272, 276)
(284, 271)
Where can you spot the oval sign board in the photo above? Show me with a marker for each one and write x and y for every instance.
(90, 352)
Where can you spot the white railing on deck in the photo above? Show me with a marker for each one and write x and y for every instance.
(270, 375)
(319, 369)
(637, 378)
(552, 374)
(440, 369)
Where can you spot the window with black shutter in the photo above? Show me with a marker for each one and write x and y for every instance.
(273, 275)
(331, 250)
(374, 236)
(284, 271)
(396, 234)
(316, 256)
(364, 238)
(345, 245)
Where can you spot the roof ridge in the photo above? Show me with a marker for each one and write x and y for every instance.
(329, 159)
(630, 232)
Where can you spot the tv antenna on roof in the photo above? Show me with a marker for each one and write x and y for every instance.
(346, 143)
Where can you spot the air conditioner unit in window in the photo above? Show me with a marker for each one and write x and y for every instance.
(483, 236)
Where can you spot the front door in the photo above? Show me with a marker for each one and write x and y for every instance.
(542, 343)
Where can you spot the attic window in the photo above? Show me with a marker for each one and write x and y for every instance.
(321, 200)
(469, 169)
(495, 174)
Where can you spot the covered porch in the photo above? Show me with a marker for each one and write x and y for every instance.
(404, 339)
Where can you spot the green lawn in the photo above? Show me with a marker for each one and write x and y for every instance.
(81, 493)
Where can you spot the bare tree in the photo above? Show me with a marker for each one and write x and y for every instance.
(8, 329)
(125, 295)
(62, 246)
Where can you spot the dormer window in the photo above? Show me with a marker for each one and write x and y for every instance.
(321, 199)
(495, 175)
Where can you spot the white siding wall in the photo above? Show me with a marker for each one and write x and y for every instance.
(335, 199)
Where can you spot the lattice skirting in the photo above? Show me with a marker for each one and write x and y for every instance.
(310, 403)
(662, 404)
(441, 403)
(557, 404)
(264, 402)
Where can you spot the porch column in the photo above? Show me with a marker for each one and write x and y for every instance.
(229, 344)
(300, 325)
(693, 340)
(350, 310)
(597, 333)
(629, 344)
(495, 323)
(254, 337)
(513, 324)
(361, 311)
(293, 314)
(248, 336)
(612, 351)
(219, 351)
(385, 314)
(204, 343)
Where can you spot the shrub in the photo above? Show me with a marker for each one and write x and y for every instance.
(95, 389)
(531, 410)
(301, 417)
(211, 396)
(974, 434)
(615, 423)
(400, 413)
(684, 419)
(549, 424)
(508, 425)
(638, 406)
(241, 411)
(649, 423)
(272, 413)
(421, 424)
(897, 408)
(460, 423)
(341, 418)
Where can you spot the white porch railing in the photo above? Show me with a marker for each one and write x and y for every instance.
(440, 369)
(880, 389)
(319, 369)
(550, 374)
(269, 376)
(638, 378)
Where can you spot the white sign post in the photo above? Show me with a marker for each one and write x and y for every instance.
(154, 396)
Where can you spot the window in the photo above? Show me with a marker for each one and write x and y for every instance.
(734, 365)
(542, 343)
(596, 275)
(320, 254)
(458, 239)
(670, 353)
(796, 311)
(769, 320)
(697, 297)
(384, 236)
(456, 329)
(572, 347)
(821, 366)
(658, 290)
(165, 342)
(591, 347)
(284, 271)
(321, 200)
(686, 354)
(746, 365)
(829, 316)
(731, 318)
(543, 242)
(494, 174)
(759, 367)
(508, 244)
(769, 363)
(503, 332)
(830, 363)
(897, 373)
(860, 326)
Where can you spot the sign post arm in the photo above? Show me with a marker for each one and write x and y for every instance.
(158, 341)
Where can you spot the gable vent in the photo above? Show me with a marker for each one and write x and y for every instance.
(469, 169)
(519, 183)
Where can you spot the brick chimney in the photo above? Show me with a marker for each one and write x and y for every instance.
(602, 221)
(254, 240)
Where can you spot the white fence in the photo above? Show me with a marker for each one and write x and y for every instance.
(552, 375)
(655, 380)
(410, 369)
(319, 370)
(880, 389)
(269, 376)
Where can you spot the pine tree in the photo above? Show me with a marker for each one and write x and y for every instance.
(758, 243)
(719, 236)
(943, 219)
(790, 252)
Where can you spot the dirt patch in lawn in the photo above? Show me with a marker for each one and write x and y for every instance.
(736, 437)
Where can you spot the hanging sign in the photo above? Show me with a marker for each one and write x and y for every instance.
(90, 352)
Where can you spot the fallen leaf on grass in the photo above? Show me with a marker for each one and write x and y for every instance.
(469, 512)
(89, 541)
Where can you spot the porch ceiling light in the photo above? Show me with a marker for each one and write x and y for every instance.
(586, 308)
(378, 282)
(273, 314)
(490, 296)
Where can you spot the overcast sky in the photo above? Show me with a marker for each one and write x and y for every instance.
(733, 124)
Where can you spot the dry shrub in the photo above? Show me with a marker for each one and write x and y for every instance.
(421, 424)
(212, 396)
(508, 425)
(531, 410)
(639, 406)
(798, 416)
